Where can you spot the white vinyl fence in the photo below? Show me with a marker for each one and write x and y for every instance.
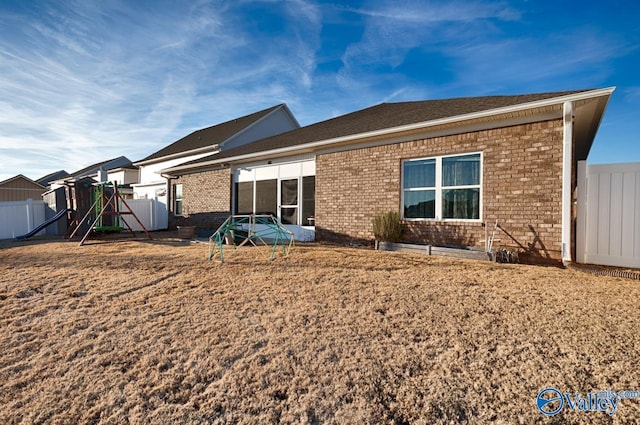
(148, 213)
(608, 226)
(20, 217)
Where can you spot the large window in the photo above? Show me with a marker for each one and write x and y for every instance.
(442, 187)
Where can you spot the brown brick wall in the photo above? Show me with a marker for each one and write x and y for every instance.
(522, 178)
(206, 198)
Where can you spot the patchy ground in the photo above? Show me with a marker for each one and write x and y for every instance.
(151, 333)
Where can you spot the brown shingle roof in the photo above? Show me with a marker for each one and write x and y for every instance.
(210, 136)
(379, 117)
(56, 175)
(110, 164)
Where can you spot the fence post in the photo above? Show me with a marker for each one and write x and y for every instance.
(581, 220)
(29, 207)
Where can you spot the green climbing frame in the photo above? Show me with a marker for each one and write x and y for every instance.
(250, 229)
(101, 198)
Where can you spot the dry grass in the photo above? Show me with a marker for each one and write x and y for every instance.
(151, 333)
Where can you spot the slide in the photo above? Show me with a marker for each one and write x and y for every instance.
(52, 220)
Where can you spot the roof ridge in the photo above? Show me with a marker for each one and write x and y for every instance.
(488, 96)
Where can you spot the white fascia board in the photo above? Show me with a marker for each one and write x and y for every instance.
(560, 100)
(212, 148)
(155, 183)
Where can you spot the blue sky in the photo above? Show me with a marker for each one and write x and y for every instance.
(88, 80)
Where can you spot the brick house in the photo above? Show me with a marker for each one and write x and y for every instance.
(451, 167)
(154, 185)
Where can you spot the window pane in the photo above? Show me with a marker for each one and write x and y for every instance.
(177, 199)
(308, 200)
(289, 215)
(461, 203)
(421, 173)
(244, 198)
(289, 192)
(267, 197)
(420, 204)
(461, 170)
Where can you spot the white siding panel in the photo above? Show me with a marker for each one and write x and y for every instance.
(290, 170)
(267, 173)
(309, 168)
(244, 175)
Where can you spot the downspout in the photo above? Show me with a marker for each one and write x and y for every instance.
(567, 160)
(168, 179)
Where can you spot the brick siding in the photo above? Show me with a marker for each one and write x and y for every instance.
(206, 199)
(522, 189)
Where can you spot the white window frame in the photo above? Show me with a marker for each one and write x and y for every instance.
(438, 188)
(181, 200)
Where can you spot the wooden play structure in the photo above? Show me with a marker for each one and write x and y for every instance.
(251, 229)
(106, 214)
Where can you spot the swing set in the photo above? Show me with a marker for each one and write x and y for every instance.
(107, 213)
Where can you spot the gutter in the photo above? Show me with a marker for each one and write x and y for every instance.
(409, 127)
(215, 147)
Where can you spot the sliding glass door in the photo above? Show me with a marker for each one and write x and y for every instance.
(292, 200)
(289, 201)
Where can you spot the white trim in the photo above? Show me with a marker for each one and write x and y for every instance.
(567, 159)
(156, 183)
(214, 148)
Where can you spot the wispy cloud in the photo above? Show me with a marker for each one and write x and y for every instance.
(438, 12)
(393, 30)
(86, 80)
(93, 80)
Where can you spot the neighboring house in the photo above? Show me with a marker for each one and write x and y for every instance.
(125, 176)
(100, 171)
(453, 168)
(20, 188)
(228, 135)
(47, 180)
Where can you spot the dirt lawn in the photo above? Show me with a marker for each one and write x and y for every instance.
(152, 333)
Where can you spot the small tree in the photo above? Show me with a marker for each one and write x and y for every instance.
(387, 226)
